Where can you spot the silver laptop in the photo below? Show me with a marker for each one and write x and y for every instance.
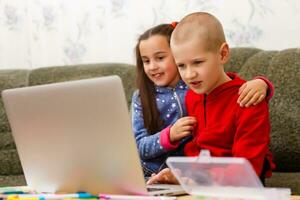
(76, 136)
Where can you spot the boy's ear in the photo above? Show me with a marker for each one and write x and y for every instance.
(224, 53)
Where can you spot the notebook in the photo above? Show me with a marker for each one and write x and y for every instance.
(76, 136)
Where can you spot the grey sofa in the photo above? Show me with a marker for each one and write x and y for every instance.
(281, 67)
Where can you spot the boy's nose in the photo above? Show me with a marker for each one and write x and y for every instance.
(190, 74)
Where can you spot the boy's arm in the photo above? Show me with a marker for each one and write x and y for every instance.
(252, 135)
(149, 146)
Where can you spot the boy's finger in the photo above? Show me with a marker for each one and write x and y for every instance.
(152, 180)
(247, 98)
(243, 94)
(252, 100)
(161, 176)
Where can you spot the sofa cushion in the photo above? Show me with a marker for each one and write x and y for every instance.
(282, 68)
(257, 64)
(12, 180)
(238, 57)
(6, 141)
(284, 71)
(67, 73)
(10, 163)
(286, 180)
(10, 79)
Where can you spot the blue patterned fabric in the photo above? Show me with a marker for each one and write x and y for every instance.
(171, 105)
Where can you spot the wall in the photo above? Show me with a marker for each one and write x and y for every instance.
(36, 33)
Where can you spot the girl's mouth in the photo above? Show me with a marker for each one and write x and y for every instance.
(157, 75)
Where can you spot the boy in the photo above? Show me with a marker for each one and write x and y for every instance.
(223, 127)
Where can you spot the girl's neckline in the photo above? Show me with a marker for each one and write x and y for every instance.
(180, 85)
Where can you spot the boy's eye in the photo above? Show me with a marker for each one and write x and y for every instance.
(197, 62)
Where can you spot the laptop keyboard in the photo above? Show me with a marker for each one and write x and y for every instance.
(155, 189)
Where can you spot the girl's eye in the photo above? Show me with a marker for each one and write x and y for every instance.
(181, 66)
(161, 57)
(146, 61)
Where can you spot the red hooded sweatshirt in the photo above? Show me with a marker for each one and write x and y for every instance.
(228, 130)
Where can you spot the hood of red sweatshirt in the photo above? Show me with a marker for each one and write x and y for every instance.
(235, 81)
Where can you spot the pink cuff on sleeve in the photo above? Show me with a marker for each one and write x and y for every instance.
(271, 89)
(165, 139)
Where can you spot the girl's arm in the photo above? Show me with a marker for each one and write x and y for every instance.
(270, 86)
(254, 91)
(149, 146)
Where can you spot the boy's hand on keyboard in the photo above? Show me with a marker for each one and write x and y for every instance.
(165, 176)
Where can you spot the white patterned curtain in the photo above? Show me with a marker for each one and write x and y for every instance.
(39, 33)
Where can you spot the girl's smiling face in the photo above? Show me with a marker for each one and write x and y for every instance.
(158, 61)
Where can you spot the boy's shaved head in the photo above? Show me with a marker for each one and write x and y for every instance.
(200, 52)
(201, 26)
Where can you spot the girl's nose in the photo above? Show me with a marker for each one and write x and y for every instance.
(153, 66)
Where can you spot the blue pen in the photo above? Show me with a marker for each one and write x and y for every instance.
(13, 192)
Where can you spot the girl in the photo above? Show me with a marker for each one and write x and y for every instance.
(159, 119)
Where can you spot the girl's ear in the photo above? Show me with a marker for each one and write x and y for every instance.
(224, 53)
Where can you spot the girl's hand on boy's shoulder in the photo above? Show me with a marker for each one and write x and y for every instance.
(252, 93)
(182, 128)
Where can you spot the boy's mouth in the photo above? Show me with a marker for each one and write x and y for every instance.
(195, 83)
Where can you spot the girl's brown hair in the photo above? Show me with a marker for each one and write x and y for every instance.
(152, 119)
